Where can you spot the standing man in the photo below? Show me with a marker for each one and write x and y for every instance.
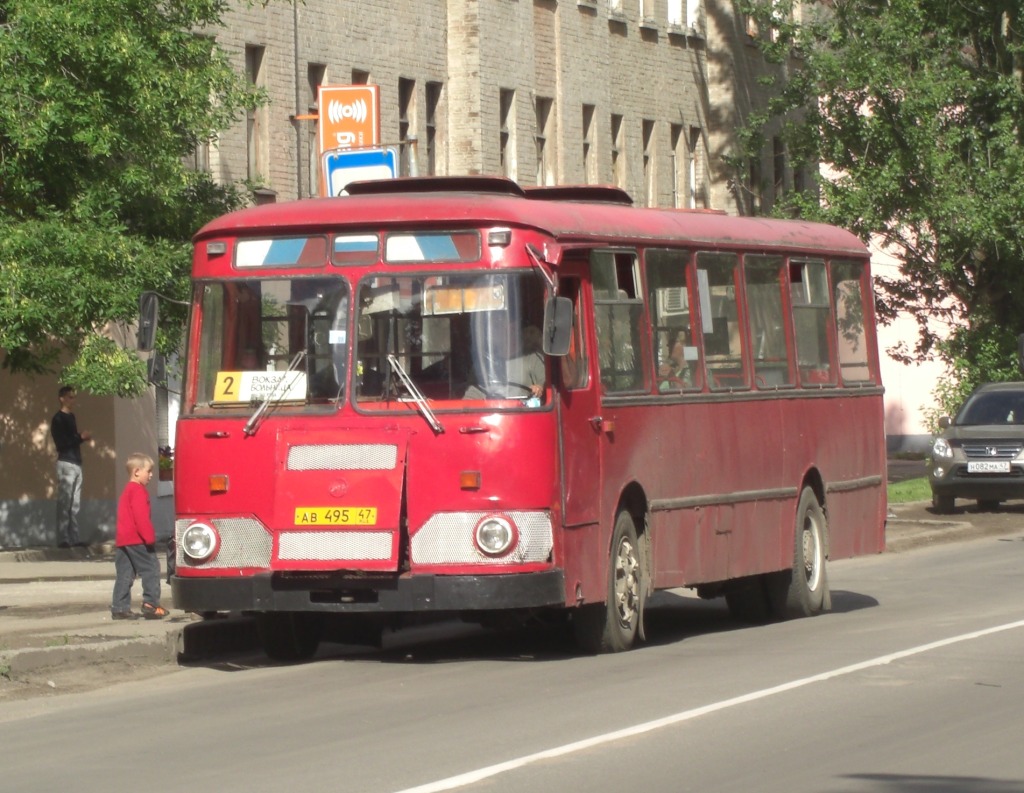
(68, 440)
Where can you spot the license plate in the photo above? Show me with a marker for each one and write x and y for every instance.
(335, 516)
(988, 467)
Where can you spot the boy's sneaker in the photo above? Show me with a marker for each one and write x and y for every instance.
(124, 615)
(151, 612)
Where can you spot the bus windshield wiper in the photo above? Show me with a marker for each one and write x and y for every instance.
(417, 395)
(253, 423)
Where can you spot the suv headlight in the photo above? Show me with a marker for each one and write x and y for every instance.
(942, 449)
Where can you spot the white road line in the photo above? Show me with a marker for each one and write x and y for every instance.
(468, 778)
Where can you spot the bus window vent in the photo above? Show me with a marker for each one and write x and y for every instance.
(603, 194)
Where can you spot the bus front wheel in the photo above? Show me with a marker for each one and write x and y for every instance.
(808, 586)
(290, 636)
(612, 626)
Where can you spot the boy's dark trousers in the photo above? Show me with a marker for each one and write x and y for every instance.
(131, 561)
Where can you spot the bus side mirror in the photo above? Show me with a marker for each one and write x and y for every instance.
(148, 313)
(557, 326)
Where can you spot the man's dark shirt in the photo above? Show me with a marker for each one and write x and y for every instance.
(64, 430)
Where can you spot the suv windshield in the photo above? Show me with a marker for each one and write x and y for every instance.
(252, 329)
(993, 407)
(462, 337)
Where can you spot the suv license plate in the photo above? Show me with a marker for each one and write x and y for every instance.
(988, 467)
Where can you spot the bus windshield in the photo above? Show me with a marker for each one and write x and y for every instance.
(460, 337)
(253, 329)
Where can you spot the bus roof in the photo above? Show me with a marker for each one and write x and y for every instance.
(570, 214)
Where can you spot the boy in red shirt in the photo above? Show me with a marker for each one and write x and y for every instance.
(136, 546)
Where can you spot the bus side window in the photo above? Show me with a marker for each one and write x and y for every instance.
(808, 286)
(574, 365)
(618, 318)
(723, 337)
(855, 362)
(766, 318)
(670, 301)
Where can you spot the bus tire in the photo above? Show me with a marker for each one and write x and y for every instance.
(612, 626)
(290, 636)
(807, 593)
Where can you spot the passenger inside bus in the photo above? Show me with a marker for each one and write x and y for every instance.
(674, 372)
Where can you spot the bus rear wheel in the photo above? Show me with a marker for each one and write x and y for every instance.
(808, 585)
(612, 626)
(290, 636)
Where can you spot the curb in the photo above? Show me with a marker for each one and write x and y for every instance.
(198, 641)
(936, 532)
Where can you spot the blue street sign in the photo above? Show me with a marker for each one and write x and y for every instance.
(341, 167)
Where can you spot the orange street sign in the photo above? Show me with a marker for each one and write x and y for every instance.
(349, 116)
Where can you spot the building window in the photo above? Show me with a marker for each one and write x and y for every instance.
(678, 156)
(618, 153)
(589, 158)
(507, 132)
(778, 168)
(647, 11)
(359, 77)
(544, 139)
(675, 13)
(799, 180)
(257, 142)
(315, 77)
(406, 127)
(754, 186)
(697, 196)
(693, 14)
(650, 191)
(433, 108)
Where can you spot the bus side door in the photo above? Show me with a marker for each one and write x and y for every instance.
(581, 433)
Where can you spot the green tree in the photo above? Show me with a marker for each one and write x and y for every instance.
(101, 101)
(915, 108)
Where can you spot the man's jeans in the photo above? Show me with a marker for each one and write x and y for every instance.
(131, 561)
(69, 497)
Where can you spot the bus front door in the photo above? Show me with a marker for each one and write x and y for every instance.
(581, 424)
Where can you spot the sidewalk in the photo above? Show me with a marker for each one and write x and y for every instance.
(55, 613)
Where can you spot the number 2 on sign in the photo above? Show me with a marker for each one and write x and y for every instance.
(226, 388)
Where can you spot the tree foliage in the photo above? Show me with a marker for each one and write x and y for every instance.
(101, 102)
(915, 108)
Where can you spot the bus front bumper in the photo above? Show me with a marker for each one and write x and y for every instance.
(421, 593)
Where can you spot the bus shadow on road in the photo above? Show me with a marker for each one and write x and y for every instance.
(670, 617)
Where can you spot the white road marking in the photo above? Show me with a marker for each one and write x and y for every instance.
(468, 778)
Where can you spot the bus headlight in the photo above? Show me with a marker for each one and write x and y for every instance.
(200, 542)
(494, 535)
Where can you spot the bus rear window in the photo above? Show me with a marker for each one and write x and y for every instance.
(430, 247)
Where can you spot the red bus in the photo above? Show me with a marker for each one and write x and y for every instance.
(464, 397)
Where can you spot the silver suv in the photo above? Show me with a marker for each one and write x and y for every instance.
(978, 454)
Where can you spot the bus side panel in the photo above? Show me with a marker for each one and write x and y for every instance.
(723, 479)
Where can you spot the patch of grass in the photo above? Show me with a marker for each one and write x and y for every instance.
(910, 490)
(62, 641)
